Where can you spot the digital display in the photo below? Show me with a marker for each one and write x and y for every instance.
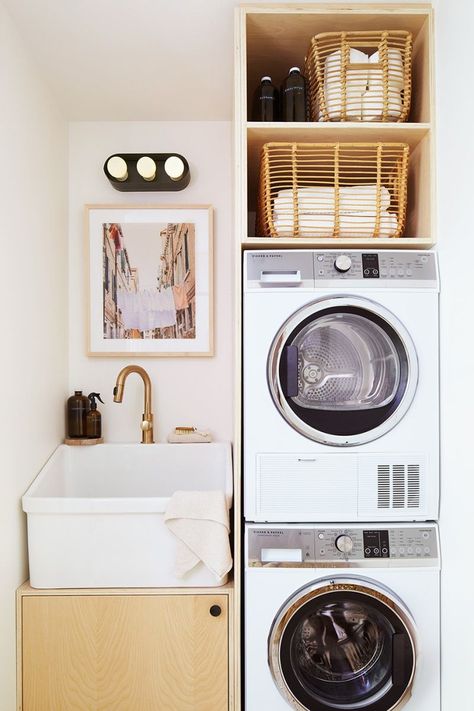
(370, 266)
(376, 544)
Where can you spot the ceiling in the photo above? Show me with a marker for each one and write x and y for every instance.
(133, 59)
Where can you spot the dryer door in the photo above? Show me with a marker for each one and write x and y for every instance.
(343, 644)
(342, 370)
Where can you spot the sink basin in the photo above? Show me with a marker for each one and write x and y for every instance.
(96, 514)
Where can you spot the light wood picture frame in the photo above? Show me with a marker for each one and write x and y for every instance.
(150, 280)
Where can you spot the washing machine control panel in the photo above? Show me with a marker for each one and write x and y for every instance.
(293, 546)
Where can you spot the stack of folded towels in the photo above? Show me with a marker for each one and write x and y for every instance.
(316, 210)
(364, 87)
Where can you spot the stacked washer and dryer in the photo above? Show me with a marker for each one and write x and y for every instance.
(341, 480)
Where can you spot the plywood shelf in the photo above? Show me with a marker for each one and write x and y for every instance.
(316, 243)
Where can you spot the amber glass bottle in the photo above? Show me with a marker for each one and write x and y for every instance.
(77, 408)
(93, 418)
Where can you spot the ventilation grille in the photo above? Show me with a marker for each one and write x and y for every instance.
(398, 486)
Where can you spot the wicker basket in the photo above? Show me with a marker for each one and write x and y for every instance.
(360, 76)
(324, 190)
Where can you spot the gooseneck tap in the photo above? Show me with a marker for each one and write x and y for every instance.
(147, 419)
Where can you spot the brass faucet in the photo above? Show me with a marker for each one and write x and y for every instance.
(147, 419)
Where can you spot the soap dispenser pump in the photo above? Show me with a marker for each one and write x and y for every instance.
(93, 418)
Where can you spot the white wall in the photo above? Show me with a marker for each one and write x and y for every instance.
(194, 391)
(199, 390)
(33, 356)
(455, 116)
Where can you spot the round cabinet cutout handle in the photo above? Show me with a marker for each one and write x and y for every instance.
(215, 610)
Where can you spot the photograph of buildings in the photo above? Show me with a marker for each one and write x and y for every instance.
(149, 281)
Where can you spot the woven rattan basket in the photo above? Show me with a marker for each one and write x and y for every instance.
(340, 190)
(360, 76)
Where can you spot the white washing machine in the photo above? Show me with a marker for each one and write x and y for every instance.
(342, 618)
(341, 386)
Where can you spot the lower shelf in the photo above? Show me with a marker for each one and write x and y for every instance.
(310, 243)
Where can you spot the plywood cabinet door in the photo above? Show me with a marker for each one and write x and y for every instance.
(125, 653)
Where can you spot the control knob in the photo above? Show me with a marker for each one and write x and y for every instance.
(343, 263)
(344, 544)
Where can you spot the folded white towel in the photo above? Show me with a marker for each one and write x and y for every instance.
(356, 84)
(359, 104)
(372, 99)
(395, 70)
(362, 198)
(351, 224)
(373, 104)
(200, 522)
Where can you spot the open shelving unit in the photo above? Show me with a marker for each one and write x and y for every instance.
(268, 40)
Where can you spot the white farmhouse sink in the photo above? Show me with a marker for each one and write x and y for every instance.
(96, 514)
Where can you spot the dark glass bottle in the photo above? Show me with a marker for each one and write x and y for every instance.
(266, 104)
(77, 407)
(294, 106)
(93, 418)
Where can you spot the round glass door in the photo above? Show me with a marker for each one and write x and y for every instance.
(349, 648)
(342, 371)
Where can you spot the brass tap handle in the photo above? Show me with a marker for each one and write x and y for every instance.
(147, 429)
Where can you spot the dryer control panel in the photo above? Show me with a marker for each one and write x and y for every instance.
(312, 269)
(303, 546)
(387, 266)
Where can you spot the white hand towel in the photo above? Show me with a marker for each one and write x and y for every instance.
(372, 100)
(356, 224)
(356, 84)
(395, 70)
(372, 104)
(200, 522)
(361, 198)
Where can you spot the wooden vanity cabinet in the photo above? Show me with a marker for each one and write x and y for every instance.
(123, 650)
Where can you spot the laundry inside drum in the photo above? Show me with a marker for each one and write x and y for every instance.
(346, 362)
(342, 651)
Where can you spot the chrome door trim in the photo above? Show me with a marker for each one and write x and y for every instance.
(273, 366)
(363, 586)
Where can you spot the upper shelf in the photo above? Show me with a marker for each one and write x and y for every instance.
(271, 39)
(278, 38)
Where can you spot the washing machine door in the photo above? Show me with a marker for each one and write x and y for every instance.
(342, 370)
(343, 644)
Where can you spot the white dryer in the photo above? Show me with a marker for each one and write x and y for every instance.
(341, 386)
(342, 618)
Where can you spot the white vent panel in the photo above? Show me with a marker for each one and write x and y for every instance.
(391, 486)
(383, 486)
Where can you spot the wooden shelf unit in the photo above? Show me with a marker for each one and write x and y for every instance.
(270, 39)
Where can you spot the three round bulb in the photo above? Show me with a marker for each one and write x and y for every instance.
(146, 167)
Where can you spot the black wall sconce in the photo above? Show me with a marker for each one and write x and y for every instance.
(130, 172)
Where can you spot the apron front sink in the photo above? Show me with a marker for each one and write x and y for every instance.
(96, 514)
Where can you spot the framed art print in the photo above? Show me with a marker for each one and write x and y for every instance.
(150, 280)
